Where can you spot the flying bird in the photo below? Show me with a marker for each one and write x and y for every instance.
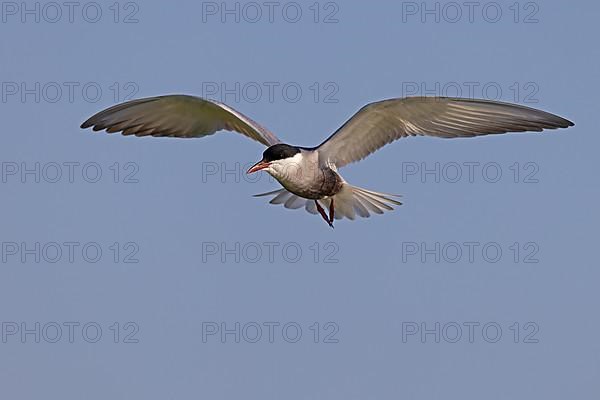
(309, 175)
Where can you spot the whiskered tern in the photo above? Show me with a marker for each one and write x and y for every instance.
(309, 175)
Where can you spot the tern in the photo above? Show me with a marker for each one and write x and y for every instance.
(309, 175)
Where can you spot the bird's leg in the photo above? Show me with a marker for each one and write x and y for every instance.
(331, 213)
(322, 212)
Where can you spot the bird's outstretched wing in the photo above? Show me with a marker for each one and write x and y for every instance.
(380, 123)
(177, 116)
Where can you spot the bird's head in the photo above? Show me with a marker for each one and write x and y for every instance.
(276, 158)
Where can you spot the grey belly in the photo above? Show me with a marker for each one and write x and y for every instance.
(323, 184)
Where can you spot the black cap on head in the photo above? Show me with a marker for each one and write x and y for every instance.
(279, 152)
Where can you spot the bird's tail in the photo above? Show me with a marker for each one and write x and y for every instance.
(353, 201)
(348, 203)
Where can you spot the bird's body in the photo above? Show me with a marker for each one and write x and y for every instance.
(304, 176)
(310, 176)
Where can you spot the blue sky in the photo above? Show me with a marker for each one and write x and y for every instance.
(143, 268)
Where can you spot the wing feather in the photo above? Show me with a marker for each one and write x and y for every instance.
(177, 116)
(383, 122)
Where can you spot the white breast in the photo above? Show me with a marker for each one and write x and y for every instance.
(298, 173)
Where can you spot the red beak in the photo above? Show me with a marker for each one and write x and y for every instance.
(258, 166)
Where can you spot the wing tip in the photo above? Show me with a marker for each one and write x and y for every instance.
(559, 123)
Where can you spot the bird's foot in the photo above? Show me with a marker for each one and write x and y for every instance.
(331, 213)
(327, 219)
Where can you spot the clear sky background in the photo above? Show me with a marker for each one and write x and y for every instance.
(519, 324)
